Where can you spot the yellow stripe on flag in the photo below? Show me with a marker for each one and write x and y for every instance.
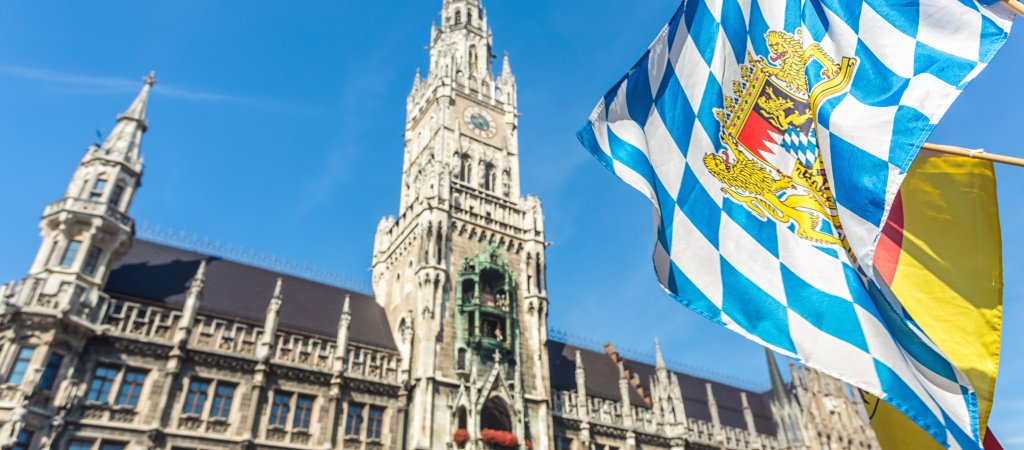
(941, 253)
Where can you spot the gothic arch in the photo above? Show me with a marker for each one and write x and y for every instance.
(496, 414)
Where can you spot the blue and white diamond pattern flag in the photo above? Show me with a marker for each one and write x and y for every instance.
(772, 137)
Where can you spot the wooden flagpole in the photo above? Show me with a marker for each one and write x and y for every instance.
(1015, 5)
(950, 150)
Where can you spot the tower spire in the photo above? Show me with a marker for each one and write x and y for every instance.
(778, 385)
(659, 357)
(125, 140)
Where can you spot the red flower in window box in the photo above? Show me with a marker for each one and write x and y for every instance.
(503, 439)
(460, 437)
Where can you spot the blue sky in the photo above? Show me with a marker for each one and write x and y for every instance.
(280, 130)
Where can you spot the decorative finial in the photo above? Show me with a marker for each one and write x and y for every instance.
(277, 289)
(150, 79)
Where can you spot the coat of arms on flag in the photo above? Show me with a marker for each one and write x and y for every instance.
(771, 164)
(771, 137)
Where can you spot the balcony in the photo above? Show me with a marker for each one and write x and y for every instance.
(89, 207)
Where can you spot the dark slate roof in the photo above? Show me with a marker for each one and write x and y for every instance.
(161, 274)
(603, 381)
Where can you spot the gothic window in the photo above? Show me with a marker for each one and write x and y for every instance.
(50, 372)
(303, 412)
(469, 16)
(222, 398)
(460, 360)
(23, 441)
(70, 254)
(489, 176)
(279, 409)
(354, 420)
(465, 168)
(472, 58)
(461, 419)
(195, 399)
(440, 247)
(374, 423)
(97, 190)
(540, 287)
(92, 260)
(101, 385)
(506, 183)
(458, 16)
(131, 387)
(115, 195)
(20, 366)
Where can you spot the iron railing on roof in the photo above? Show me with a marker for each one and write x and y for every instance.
(192, 242)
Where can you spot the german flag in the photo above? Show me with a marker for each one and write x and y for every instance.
(941, 254)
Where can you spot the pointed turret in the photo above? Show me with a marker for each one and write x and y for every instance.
(506, 67)
(779, 389)
(341, 345)
(659, 358)
(270, 323)
(125, 141)
(192, 299)
(582, 403)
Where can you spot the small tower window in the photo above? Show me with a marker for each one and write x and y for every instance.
(97, 190)
(70, 254)
(92, 261)
(458, 16)
(115, 195)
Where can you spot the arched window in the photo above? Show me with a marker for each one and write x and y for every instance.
(469, 16)
(465, 168)
(461, 418)
(458, 16)
(490, 177)
(495, 415)
(472, 58)
(506, 183)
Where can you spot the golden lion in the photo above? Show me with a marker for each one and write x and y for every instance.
(751, 185)
(790, 58)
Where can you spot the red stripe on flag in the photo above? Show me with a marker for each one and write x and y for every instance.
(890, 244)
(990, 441)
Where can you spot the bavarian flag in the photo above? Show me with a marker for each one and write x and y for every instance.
(940, 252)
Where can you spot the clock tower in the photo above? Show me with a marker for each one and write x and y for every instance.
(460, 270)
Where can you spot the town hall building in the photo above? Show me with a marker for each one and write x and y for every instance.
(113, 342)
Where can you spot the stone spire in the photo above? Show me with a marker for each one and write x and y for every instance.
(125, 141)
(713, 405)
(659, 358)
(506, 67)
(785, 404)
(192, 299)
(270, 323)
(341, 344)
(779, 390)
(582, 403)
(748, 414)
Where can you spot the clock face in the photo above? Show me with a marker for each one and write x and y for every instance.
(479, 122)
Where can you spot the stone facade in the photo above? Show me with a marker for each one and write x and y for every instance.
(112, 342)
